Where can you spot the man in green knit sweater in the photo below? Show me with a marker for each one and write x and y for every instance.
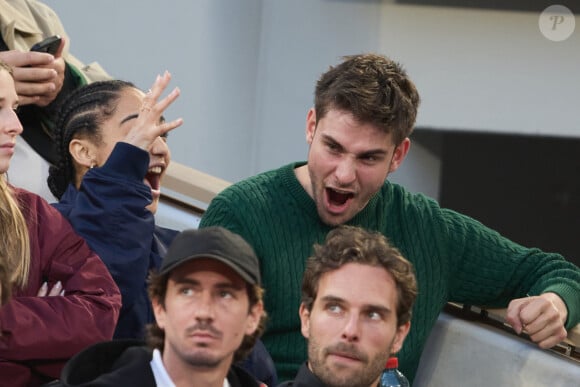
(358, 132)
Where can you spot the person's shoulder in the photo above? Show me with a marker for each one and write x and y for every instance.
(267, 177)
(23, 194)
(399, 194)
(264, 181)
(115, 359)
(304, 378)
(165, 235)
(239, 377)
(112, 349)
(37, 8)
(29, 202)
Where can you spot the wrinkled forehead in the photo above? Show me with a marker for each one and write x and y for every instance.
(359, 284)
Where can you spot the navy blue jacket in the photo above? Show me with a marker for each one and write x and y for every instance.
(108, 210)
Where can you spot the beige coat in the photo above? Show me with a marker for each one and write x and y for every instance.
(26, 22)
(22, 24)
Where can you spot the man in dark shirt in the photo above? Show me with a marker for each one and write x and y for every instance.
(357, 295)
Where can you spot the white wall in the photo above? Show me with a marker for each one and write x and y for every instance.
(210, 46)
(247, 70)
(487, 69)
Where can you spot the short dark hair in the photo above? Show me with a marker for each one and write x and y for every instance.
(156, 336)
(374, 89)
(348, 244)
(80, 115)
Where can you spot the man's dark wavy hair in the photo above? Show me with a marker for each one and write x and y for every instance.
(374, 89)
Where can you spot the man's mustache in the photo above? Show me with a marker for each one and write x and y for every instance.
(204, 327)
(346, 349)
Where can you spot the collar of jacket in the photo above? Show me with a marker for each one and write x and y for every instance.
(17, 18)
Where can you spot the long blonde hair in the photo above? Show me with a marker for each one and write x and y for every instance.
(14, 248)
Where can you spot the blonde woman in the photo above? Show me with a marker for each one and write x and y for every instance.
(63, 298)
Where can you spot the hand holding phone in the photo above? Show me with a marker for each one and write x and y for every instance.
(49, 45)
(41, 84)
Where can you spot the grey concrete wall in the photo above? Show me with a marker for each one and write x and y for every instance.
(247, 70)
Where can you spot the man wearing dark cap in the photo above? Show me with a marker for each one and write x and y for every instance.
(207, 299)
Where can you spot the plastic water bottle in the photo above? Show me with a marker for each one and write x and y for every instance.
(391, 376)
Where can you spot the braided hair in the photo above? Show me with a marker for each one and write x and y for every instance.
(81, 114)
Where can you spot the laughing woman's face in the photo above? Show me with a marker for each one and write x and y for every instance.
(115, 129)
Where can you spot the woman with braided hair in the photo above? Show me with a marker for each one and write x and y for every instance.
(112, 155)
(63, 298)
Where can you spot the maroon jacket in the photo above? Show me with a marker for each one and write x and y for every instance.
(39, 334)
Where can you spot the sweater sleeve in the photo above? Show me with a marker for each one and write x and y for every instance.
(490, 270)
(45, 329)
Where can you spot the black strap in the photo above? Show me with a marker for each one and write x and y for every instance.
(3, 46)
(36, 134)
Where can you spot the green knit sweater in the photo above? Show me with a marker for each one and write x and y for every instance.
(456, 258)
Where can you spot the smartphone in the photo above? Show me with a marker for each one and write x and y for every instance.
(49, 45)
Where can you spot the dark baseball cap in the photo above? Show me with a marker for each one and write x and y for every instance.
(217, 243)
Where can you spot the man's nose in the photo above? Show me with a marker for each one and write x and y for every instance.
(204, 308)
(345, 171)
(351, 329)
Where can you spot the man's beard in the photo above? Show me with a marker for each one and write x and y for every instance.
(203, 360)
(199, 357)
(363, 377)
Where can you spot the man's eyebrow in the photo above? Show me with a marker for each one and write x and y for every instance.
(331, 298)
(373, 153)
(329, 139)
